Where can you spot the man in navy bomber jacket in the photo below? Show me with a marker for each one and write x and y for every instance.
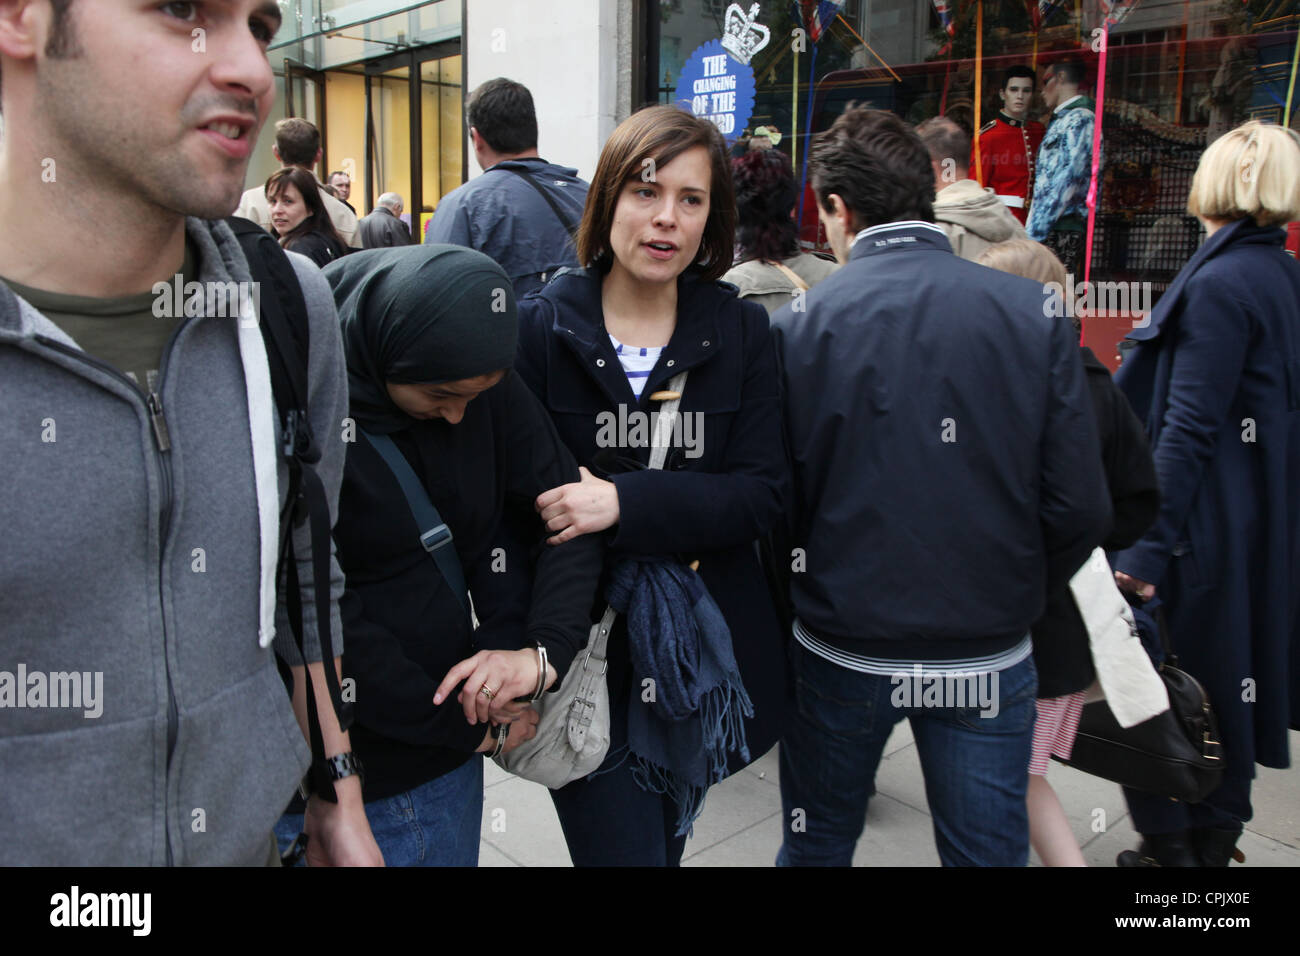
(947, 477)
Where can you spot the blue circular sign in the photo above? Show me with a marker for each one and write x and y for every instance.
(715, 85)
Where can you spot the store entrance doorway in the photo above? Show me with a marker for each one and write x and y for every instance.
(415, 143)
(393, 124)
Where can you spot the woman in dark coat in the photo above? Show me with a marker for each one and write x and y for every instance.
(658, 232)
(1215, 375)
(429, 333)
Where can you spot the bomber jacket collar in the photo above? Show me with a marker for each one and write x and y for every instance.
(1241, 231)
(580, 324)
(911, 235)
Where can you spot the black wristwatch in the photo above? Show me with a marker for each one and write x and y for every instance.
(320, 777)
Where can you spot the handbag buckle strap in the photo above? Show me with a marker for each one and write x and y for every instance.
(581, 711)
(586, 661)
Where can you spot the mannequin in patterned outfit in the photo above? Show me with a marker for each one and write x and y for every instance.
(1008, 145)
(1058, 214)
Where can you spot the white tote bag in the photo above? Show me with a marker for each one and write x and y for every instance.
(1127, 679)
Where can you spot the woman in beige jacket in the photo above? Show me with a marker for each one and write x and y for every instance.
(770, 269)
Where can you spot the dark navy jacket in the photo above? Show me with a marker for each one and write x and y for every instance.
(712, 507)
(947, 471)
(1216, 378)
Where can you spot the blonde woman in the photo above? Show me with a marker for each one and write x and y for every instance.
(1216, 377)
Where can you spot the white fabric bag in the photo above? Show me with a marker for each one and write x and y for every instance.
(1125, 675)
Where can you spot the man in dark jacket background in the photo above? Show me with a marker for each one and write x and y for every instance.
(522, 211)
(383, 227)
(947, 477)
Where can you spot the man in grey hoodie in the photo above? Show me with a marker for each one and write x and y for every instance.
(142, 719)
(971, 215)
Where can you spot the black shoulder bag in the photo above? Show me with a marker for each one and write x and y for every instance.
(1176, 753)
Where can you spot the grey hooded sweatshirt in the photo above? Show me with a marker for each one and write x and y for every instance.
(137, 568)
(974, 218)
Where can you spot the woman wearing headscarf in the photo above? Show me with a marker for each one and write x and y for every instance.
(696, 660)
(1215, 375)
(429, 334)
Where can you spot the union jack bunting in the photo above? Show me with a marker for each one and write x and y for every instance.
(819, 15)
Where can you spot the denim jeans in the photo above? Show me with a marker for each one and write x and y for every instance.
(435, 824)
(975, 767)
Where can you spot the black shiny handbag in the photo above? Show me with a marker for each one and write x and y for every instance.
(1174, 754)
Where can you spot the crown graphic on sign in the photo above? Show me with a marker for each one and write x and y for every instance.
(742, 37)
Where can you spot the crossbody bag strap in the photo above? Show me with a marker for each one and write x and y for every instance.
(789, 274)
(550, 200)
(663, 427)
(435, 536)
(663, 431)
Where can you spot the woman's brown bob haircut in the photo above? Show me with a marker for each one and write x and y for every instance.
(660, 133)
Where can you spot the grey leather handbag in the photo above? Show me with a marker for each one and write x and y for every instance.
(573, 734)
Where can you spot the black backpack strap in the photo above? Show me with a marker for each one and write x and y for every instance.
(550, 200)
(284, 325)
(286, 334)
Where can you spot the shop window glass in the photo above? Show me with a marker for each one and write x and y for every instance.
(1178, 74)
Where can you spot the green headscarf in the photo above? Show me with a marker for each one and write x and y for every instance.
(419, 315)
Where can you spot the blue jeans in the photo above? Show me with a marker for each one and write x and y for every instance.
(975, 767)
(436, 824)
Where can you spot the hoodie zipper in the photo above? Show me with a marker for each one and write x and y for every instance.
(162, 445)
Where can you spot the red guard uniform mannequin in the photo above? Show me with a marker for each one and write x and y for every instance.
(1008, 148)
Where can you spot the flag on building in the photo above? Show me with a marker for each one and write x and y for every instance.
(1040, 10)
(1113, 11)
(819, 14)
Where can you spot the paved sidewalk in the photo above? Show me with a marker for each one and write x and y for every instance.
(741, 824)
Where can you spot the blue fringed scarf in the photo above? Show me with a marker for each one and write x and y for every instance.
(677, 637)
